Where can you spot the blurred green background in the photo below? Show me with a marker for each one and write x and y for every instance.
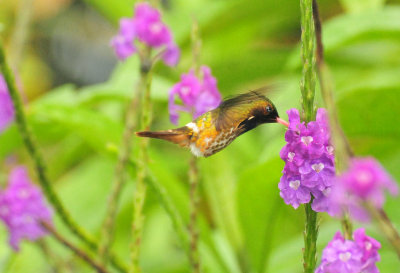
(76, 92)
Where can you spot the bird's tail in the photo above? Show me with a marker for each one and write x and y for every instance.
(179, 136)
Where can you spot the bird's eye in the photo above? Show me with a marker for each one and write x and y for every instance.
(269, 109)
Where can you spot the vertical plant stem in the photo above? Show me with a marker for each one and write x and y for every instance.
(120, 176)
(307, 86)
(193, 168)
(80, 253)
(343, 151)
(39, 164)
(310, 239)
(193, 199)
(141, 187)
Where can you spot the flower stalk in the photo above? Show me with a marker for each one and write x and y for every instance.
(307, 86)
(120, 175)
(193, 168)
(79, 252)
(141, 187)
(194, 202)
(39, 164)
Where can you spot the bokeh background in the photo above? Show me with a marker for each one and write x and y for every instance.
(75, 93)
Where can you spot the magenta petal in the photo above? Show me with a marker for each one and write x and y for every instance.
(197, 95)
(123, 42)
(171, 55)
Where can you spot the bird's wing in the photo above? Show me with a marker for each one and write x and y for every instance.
(233, 111)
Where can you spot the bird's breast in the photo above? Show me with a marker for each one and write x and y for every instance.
(206, 140)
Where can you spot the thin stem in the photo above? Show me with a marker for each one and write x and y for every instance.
(307, 86)
(347, 226)
(194, 200)
(310, 239)
(141, 187)
(39, 164)
(343, 151)
(120, 176)
(392, 235)
(80, 253)
(193, 168)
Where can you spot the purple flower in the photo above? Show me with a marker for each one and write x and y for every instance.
(149, 27)
(309, 157)
(198, 95)
(171, 55)
(350, 256)
(123, 42)
(364, 181)
(146, 27)
(6, 105)
(22, 208)
(293, 192)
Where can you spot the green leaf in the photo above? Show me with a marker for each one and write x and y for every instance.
(95, 128)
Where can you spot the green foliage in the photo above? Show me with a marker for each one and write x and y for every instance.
(244, 224)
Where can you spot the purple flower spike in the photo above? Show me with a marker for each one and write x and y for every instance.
(364, 181)
(146, 27)
(309, 156)
(197, 95)
(6, 105)
(350, 256)
(22, 207)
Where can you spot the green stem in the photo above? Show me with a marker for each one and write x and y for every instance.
(310, 239)
(80, 253)
(193, 168)
(307, 86)
(194, 200)
(141, 187)
(39, 162)
(120, 176)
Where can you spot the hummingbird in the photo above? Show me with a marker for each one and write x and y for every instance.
(214, 130)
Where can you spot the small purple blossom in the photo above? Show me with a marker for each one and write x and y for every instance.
(22, 208)
(198, 95)
(309, 158)
(6, 105)
(350, 256)
(146, 27)
(365, 181)
(123, 42)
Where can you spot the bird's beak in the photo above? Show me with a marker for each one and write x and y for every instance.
(282, 121)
